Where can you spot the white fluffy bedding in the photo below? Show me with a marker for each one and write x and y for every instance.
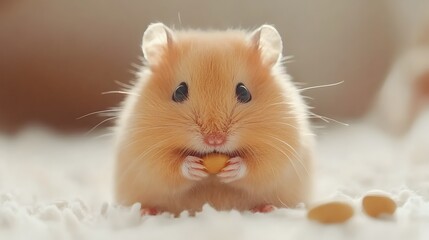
(56, 187)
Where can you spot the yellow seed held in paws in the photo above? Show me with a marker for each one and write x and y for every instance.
(215, 162)
(377, 205)
(332, 212)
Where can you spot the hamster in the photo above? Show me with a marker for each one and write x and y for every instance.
(202, 92)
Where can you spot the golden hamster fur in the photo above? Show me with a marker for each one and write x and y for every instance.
(202, 92)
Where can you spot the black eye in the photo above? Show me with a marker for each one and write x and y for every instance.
(181, 93)
(243, 95)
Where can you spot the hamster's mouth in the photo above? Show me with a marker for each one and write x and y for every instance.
(203, 154)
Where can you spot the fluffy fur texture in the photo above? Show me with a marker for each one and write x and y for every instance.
(270, 133)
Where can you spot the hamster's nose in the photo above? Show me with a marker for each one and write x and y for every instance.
(215, 139)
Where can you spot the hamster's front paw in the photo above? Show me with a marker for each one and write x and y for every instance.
(264, 208)
(235, 169)
(193, 168)
(149, 211)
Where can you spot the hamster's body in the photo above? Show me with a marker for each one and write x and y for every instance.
(204, 92)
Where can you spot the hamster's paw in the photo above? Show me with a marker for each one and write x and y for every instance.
(265, 208)
(149, 211)
(193, 168)
(235, 169)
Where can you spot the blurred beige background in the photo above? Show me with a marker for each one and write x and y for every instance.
(58, 56)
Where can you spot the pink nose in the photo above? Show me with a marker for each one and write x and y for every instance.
(215, 139)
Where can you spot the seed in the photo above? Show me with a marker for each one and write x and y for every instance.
(215, 162)
(332, 212)
(378, 205)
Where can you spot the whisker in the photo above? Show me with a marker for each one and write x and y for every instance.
(307, 97)
(291, 162)
(321, 86)
(121, 92)
(109, 134)
(138, 159)
(141, 170)
(288, 157)
(287, 59)
(153, 147)
(124, 85)
(105, 120)
(284, 204)
(98, 112)
(327, 119)
(271, 124)
(137, 67)
(295, 153)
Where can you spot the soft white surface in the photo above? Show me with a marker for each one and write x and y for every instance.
(55, 187)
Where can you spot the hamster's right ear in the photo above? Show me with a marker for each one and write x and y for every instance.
(156, 37)
(269, 42)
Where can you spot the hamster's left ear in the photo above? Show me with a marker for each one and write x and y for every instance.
(156, 37)
(268, 41)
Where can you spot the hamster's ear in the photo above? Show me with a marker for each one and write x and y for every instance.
(156, 37)
(268, 41)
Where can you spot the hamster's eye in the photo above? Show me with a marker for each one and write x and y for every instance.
(181, 92)
(243, 95)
